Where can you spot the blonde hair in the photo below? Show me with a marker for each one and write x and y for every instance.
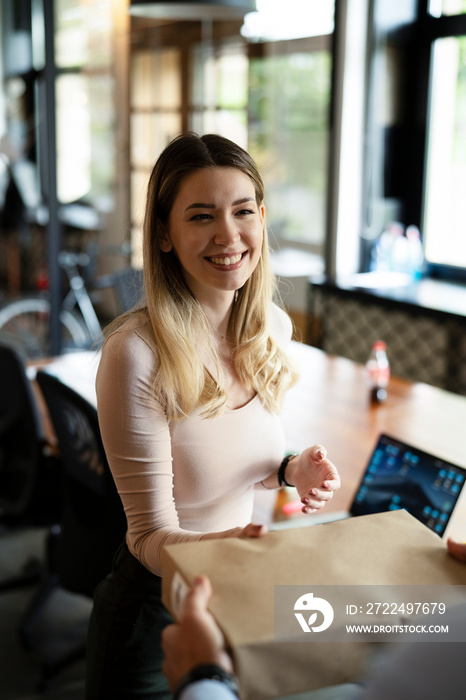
(178, 322)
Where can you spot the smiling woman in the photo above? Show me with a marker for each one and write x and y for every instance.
(188, 389)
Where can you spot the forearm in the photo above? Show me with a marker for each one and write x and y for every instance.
(271, 482)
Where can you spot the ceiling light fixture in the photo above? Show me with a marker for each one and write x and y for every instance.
(195, 10)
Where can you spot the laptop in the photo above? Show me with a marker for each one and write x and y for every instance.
(397, 476)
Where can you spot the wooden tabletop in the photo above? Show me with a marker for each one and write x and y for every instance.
(330, 405)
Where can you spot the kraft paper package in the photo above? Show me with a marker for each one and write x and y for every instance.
(386, 549)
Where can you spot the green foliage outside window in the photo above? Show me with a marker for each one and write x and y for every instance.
(288, 135)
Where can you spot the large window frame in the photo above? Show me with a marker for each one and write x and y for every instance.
(315, 121)
(400, 154)
(435, 28)
(204, 107)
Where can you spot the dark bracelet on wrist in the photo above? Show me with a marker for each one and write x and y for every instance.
(207, 672)
(281, 471)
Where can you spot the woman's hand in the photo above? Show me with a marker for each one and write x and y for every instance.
(250, 530)
(314, 477)
(458, 549)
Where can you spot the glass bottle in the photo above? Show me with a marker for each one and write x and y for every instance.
(378, 372)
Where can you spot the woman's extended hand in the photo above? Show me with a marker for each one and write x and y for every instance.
(314, 477)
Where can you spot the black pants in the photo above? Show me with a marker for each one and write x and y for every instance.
(124, 656)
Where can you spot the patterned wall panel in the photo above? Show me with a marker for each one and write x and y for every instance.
(421, 346)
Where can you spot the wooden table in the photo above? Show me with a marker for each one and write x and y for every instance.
(330, 405)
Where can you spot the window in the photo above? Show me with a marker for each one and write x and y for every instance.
(445, 204)
(289, 101)
(288, 136)
(265, 84)
(447, 7)
(219, 90)
(416, 163)
(85, 102)
(443, 210)
(155, 106)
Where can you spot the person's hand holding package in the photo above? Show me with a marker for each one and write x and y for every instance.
(195, 641)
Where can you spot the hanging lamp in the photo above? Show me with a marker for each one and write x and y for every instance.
(194, 10)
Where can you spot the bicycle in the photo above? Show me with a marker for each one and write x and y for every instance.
(26, 322)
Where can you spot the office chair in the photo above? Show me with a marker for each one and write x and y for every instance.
(93, 522)
(29, 491)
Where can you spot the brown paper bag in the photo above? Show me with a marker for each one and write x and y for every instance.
(385, 549)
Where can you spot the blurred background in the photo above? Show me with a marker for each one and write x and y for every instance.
(353, 109)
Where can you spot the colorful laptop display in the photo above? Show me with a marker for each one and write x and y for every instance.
(401, 476)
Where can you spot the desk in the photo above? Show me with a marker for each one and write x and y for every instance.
(330, 405)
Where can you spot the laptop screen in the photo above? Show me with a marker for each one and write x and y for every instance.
(401, 476)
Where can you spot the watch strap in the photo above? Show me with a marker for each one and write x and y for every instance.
(211, 672)
(281, 471)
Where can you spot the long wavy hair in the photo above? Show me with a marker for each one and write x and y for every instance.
(181, 329)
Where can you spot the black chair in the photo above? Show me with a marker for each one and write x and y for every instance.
(93, 522)
(29, 491)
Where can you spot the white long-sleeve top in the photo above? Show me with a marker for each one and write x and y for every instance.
(178, 480)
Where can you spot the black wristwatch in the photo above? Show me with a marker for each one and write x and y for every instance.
(281, 471)
(211, 672)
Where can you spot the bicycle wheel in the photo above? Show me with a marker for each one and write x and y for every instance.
(26, 323)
